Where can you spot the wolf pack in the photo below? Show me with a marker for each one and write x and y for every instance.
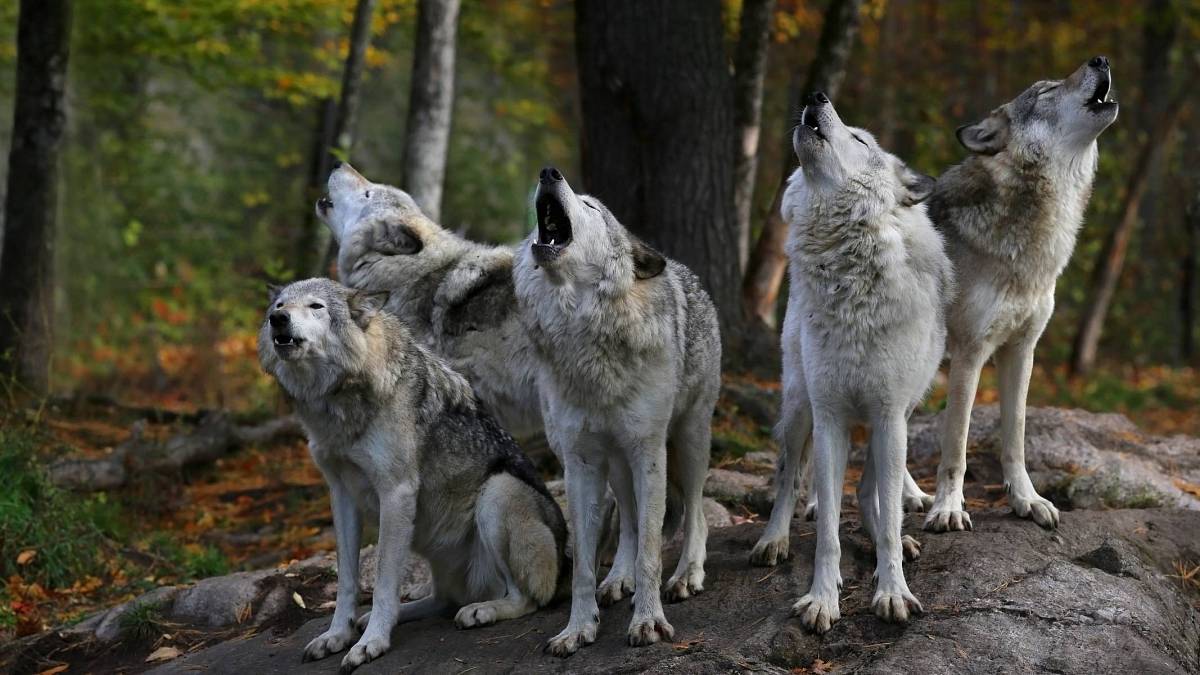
(410, 373)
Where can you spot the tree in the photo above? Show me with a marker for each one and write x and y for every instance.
(30, 210)
(655, 148)
(750, 68)
(1187, 279)
(764, 272)
(430, 103)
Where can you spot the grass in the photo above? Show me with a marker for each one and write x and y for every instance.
(142, 622)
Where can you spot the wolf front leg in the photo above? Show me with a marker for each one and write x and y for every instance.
(818, 609)
(397, 512)
(648, 460)
(893, 601)
(348, 532)
(585, 479)
(949, 506)
(1014, 362)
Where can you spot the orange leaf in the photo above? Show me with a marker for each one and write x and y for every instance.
(25, 557)
(55, 670)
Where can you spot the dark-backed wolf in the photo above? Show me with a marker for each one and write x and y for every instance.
(401, 438)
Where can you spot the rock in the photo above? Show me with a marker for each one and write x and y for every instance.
(736, 487)
(715, 514)
(758, 403)
(219, 601)
(1079, 459)
(1007, 597)
(108, 627)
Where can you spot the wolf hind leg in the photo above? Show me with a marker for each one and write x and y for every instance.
(792, 469)
(687, 462)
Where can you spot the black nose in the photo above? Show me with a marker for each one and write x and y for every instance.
(337, 164)
(325, 203)
(550, 175)
(279, 319)
(817, 98)
(1099, 63)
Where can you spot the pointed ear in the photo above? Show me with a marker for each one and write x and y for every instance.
(273, 291)
(647, 263)
(987, 137)
(397, 238)
(917, 186)
(364, 305)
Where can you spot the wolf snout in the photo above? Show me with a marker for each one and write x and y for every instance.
(279, 319)
(817, 98)
(549, 176)
(1099, 63)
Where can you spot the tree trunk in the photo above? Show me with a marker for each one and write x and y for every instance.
(750, 68)
(430, 103)
(335, 136)
(764, 273)
(1187, 281)
(1112, 256)
(30, 211)
(657, 137)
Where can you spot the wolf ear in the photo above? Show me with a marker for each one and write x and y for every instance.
(396, 238)
(273, 291)
(987, 137)
(647, 263)
(917, 186)
(364, 305)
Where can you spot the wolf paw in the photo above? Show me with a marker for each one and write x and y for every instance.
(648, 630)
(614, 590)
(810, 510)
(1037, 508)
(330, 642)
(895, 607)
(684, 586)
(571, 639)
(817, 614)
(364, 652)
(948, 520)
(918, 503)
(476, 615)
(770, 552)
(912, 547)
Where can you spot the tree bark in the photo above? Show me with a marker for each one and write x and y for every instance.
(430, 104)
(1187, 281)
(750, 68)
(1111, 261)
(657, 138)
(764, 272)
(30, 211)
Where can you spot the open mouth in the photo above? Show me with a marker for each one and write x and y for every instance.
(1101, 98)
(286, 343)
(808, 119)
(554, 226)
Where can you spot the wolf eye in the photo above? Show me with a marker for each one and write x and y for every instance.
(316, 305)
(855, 136)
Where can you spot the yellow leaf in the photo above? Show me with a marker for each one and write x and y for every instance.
(163, 654)
(299, 600)
(25, 557)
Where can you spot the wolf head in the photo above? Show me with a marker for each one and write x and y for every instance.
(357, 209)
(577, 237)
(834, 157)
(1050, 117)
(315, 331)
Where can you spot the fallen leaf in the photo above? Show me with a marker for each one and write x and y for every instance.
(163, 654)
(25, 557)
(55, 670)
(299, 600)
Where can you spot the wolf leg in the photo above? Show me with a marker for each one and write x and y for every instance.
(791, 469)
(893, 601)
(1014, 362)
(647, 455)
(949, 506)
(348, 532)
(818, 609)
(618, 583)
(688, 468)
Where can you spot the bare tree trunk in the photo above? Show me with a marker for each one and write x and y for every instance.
(430, 103)
(655, 147)
(1111, 261)
(335, 136)
(1187, 281)
(764, 273)
(750, 68)
(31, 206)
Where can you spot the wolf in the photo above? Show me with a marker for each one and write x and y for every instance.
(629, 356)
(1010, 214)
(401, 438)
(863, 337)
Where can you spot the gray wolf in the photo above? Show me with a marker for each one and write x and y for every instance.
(401, 438)
(629, 370)
(1010, 214)
(863, 338)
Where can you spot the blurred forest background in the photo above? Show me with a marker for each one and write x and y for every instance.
(197, 136)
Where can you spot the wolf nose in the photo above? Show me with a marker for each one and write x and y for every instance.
(325, 203)
(1099, 63)
(817, 98)
(550, 175)
(337, 164)
(279, 319)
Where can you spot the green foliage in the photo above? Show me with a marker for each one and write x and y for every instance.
(64, 531)
(142, 622)
(207, 562)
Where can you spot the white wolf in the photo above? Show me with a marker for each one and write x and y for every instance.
(401, 438)
(1010, 214)
(862, 339)
(630, 356)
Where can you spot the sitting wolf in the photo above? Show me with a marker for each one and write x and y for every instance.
(1010, 214)
(863, 337)
(401, 438)
(629, 359)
